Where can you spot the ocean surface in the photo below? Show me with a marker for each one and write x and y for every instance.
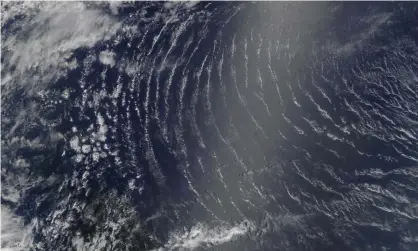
(209, 126)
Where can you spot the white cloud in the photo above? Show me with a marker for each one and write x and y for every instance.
(107, 58)
(14, 236)
(43, 42)
(203, 235)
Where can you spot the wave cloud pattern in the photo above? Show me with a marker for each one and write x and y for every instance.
(209, 126)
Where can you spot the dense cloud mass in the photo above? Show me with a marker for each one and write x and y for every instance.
(209, 126)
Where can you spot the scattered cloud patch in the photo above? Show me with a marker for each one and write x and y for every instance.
(107, 58)
(42, 43)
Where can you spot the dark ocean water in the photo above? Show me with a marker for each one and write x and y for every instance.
(228, 126)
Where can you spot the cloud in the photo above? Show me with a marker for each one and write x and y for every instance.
(204, 235)
(375, 24)
(107, 58)
(38, 48)
(14, 236)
